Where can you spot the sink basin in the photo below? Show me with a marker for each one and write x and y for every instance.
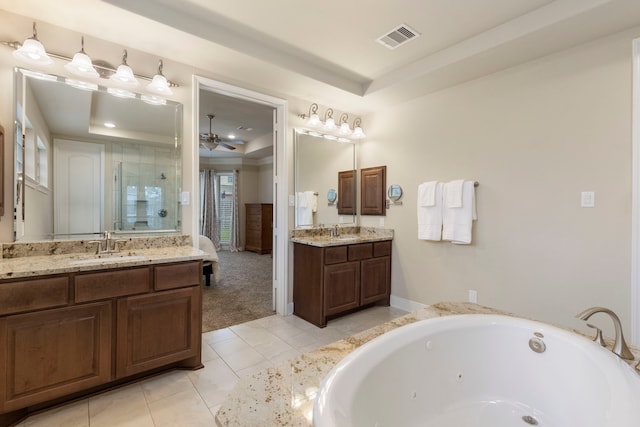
(107, 258)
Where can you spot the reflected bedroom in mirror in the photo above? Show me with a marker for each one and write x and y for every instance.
(87, 161)
(318, 191)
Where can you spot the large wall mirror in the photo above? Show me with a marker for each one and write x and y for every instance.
(317, 163)
(88, 161)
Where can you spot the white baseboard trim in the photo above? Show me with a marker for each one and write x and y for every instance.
(406, 304)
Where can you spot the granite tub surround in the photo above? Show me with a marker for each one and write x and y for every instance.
(284, 395)
(40, 258)
(322, 236)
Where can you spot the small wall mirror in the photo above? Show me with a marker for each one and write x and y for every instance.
(87, 161)
(332, 196)
(317, 163)
(394, 193)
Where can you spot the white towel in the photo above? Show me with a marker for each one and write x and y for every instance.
(302, 201)
(453, 194)
(307, 205)
(427, 193)
(430, 217)
(457, 223)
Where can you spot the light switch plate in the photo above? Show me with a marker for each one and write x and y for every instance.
(587, 199)
(184, 198)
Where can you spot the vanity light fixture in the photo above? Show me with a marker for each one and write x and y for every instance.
(81, 64)
(329, 123)
(124, 74)
(313, 118)
(329, 126)
(358, 133)
(159, 84)
(32, 51)
(344, 125)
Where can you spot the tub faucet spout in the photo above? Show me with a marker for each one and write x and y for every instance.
(619, 346)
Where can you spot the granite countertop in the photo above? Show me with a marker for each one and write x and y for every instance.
(321, 236)
(284, 395)
(36, 259)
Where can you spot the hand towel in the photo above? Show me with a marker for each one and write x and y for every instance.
(305, 208)
(427, 193)
(301, 199)
(430, 217)
(457, 222)
(453, 195)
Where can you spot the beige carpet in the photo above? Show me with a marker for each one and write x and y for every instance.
(243, 293)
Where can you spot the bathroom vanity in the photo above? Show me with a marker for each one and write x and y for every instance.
(336, 274)
(75, 324)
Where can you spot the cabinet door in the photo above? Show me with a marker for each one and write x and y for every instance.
(52, 353)
(375, 279)
(158, 329)
(341, 287)
(373, 184)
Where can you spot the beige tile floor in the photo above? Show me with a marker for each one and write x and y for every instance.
(192, 398)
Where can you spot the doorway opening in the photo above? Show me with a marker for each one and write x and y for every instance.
(258, 180)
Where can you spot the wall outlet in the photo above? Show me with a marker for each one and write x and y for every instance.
(473, 296)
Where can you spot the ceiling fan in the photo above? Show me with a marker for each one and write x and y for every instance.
(212, 140)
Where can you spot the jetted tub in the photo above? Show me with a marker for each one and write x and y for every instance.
(482, 371)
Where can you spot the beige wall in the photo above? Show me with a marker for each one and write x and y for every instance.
(534, 136)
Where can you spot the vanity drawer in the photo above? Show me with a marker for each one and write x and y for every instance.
(111, 284)
(335, 254)
(172, 276)
(360, 251)
(382, 249)
(37, 294)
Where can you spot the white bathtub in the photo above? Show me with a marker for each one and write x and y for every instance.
(480, 371)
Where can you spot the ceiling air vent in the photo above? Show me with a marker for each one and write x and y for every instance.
(398, 36)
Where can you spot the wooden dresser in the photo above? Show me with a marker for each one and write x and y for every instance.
(259, 229)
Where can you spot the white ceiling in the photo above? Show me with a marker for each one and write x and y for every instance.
(325, 51)
(230, 115)
(333, 41)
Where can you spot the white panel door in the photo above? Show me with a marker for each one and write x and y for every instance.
(78, 187)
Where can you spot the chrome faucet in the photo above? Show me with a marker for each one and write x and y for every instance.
(336, 230)
(619, 346)
(107, 245)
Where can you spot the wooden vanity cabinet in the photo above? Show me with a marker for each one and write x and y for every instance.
(53, 353)
(81, 332)
(157, 329)
(330, 281)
